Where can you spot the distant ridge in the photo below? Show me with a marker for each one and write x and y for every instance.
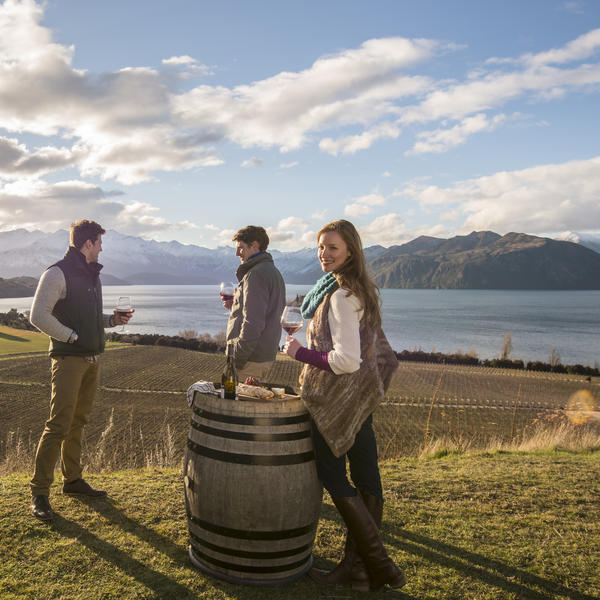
(17, 287)
(480, 260)
(486, 260)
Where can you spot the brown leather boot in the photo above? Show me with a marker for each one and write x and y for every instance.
(360, 576)
(351, 570)
(362, 528)
(340, 574)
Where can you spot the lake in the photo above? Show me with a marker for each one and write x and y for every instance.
(443, 320)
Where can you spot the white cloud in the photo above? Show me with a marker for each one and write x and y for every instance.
(552, 197)
(578, 49)
(353, 143)
(353, 86)
(36, 204)
(17, 161)
(288, 232)
(364, 205)
(308, 239)
(534, 75)
(440, 140)
(386, 230)
(224, 236)
(386, 174)
(293, 222)
(188, 66)
(289, 165)
(252, 162)
(179, 60)
(277, 235)
(131, 123)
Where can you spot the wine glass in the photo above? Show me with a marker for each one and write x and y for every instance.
(226, 291)
(124, 307)
(291, 319)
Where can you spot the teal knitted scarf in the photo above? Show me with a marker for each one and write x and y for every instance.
(327, 283)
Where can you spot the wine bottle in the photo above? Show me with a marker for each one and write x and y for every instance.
(229, 379)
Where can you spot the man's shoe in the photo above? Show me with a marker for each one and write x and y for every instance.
(40, 508)
(81, 487)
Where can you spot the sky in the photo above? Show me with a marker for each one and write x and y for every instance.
(187, 120)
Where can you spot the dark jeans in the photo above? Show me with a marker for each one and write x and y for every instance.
(362, 458)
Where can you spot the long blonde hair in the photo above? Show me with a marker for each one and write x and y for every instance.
(353, 275)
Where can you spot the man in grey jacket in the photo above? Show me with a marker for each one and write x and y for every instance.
(254, 327)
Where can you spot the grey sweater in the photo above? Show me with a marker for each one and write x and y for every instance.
(254, 326)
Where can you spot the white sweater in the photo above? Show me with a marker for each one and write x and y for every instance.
(344, 316)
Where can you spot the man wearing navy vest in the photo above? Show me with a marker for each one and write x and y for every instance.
(68, 308)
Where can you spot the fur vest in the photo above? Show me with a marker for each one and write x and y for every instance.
(339, 404)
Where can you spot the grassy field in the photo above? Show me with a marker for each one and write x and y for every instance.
(141, 410)
(472, 527)
(20, 341)
(464, 524)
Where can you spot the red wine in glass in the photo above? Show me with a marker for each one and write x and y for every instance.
(291, 319)
(227, 291)
(291, 328)
(124, 306)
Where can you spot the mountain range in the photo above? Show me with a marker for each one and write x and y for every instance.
(480, 260)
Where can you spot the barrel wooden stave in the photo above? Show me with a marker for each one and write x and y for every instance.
(233, 505)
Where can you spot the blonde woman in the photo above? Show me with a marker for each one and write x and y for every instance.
(349, 365)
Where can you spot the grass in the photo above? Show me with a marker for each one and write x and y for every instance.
(429, 408)
(510, 522)
(20, 341)
(507, 525)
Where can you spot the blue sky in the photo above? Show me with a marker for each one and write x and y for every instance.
(188, 120)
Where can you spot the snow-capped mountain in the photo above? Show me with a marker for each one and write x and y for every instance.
(135, 260)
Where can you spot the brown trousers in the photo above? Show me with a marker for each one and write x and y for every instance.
(74, 384)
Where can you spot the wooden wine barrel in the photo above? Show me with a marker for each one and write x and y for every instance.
(251, 489)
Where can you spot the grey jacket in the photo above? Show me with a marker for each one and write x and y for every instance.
(254, 325)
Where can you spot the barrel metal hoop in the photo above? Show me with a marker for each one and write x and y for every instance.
(199, 543)
(253, 437)
(245, 534)
(249, 568)
(252, 459)
(236, 420)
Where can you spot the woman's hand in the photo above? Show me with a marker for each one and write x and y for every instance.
(291, 346)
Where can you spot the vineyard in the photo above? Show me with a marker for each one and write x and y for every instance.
(141, 416)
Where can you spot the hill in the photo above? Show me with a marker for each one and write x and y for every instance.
(17, 287)
(481, 260)
(486, 260)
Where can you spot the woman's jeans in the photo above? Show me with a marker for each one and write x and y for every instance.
(362, 458)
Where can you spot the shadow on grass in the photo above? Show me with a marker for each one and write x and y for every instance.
(488, 570)
(159, 542)
(165, 587)
(162, 585)
(13, 338)
(476, 566)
